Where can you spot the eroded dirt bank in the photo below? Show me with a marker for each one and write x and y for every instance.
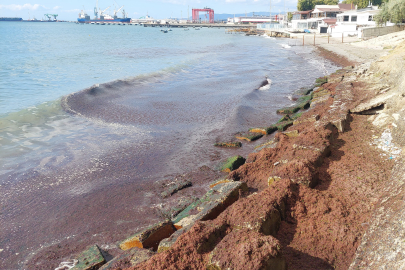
(327, 193)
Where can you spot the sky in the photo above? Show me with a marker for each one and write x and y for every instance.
(158, 9)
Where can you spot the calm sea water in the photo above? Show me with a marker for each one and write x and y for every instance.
(148, 104)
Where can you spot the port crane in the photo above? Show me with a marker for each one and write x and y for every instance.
(116, 11)
(49, 16)
(102, 12)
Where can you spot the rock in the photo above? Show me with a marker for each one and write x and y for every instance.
(382, 120)
(266, 217)
(281, 126)
(229, 144)
(248, 136)
(320, 81)
(312, 118)
(372, 103)
(340, 122)
(128, 259)
(288, 110)
(259, 130)
(304, 91)
(150, 237)
(246, 249)
(167, 243)
(90, 259)
(269, 144)
(214, 202)
(273, 179)
(291, 134)
(176, 185)
(284, 119)
(335, 79)
(232, 163)
(298, 171)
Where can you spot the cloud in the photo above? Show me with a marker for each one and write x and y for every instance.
(56, 7)
(20, 7)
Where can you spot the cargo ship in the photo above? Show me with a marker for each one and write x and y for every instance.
(102, 17)
(10, 19)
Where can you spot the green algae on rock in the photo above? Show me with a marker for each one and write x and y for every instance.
(248, 136)
(90, 259)
(229, 144)
(150, 237)
(232, 163)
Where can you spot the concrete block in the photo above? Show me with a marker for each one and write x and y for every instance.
(248, 136)
(90, 259)
(229, 144)
(130, 258)
(232, 163)
(249, 250)
(150, 237)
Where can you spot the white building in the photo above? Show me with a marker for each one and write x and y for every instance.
(256, 19)
(144, 19)
(353, 21)
(321, 16)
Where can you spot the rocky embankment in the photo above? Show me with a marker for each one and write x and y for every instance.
(325, 193)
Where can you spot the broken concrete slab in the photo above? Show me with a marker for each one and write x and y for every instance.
(291, 134)
(128, 259)
(310, 119)
(167, 243)
(298, 171)
(232, 163)
(150, 237)
(214, 202)
(174, 186)
(90, 259)
(372, 103)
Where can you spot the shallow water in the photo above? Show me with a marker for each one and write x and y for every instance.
(86, 174)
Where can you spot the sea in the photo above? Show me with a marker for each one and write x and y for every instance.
(91, 116)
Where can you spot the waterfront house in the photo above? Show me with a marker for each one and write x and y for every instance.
(320, 18)
(352, 21)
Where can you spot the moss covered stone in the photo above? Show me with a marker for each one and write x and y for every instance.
(284, 118)
(248, 136)
(288, 110)
(320, 81)
(232, 163)
(229, 144)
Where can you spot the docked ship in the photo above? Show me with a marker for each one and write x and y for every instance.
(101, 17)
(10, 19)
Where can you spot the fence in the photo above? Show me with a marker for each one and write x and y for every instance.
(380, 31)
(271, 26)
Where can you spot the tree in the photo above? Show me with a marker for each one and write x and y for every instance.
(391, 11)
(363, 3)
(304, 5)
(289, 16)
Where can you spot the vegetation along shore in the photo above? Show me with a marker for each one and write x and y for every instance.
(325, 192)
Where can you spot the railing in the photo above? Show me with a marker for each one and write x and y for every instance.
(271, 26)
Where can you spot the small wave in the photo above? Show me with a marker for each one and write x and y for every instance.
(285, 46)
